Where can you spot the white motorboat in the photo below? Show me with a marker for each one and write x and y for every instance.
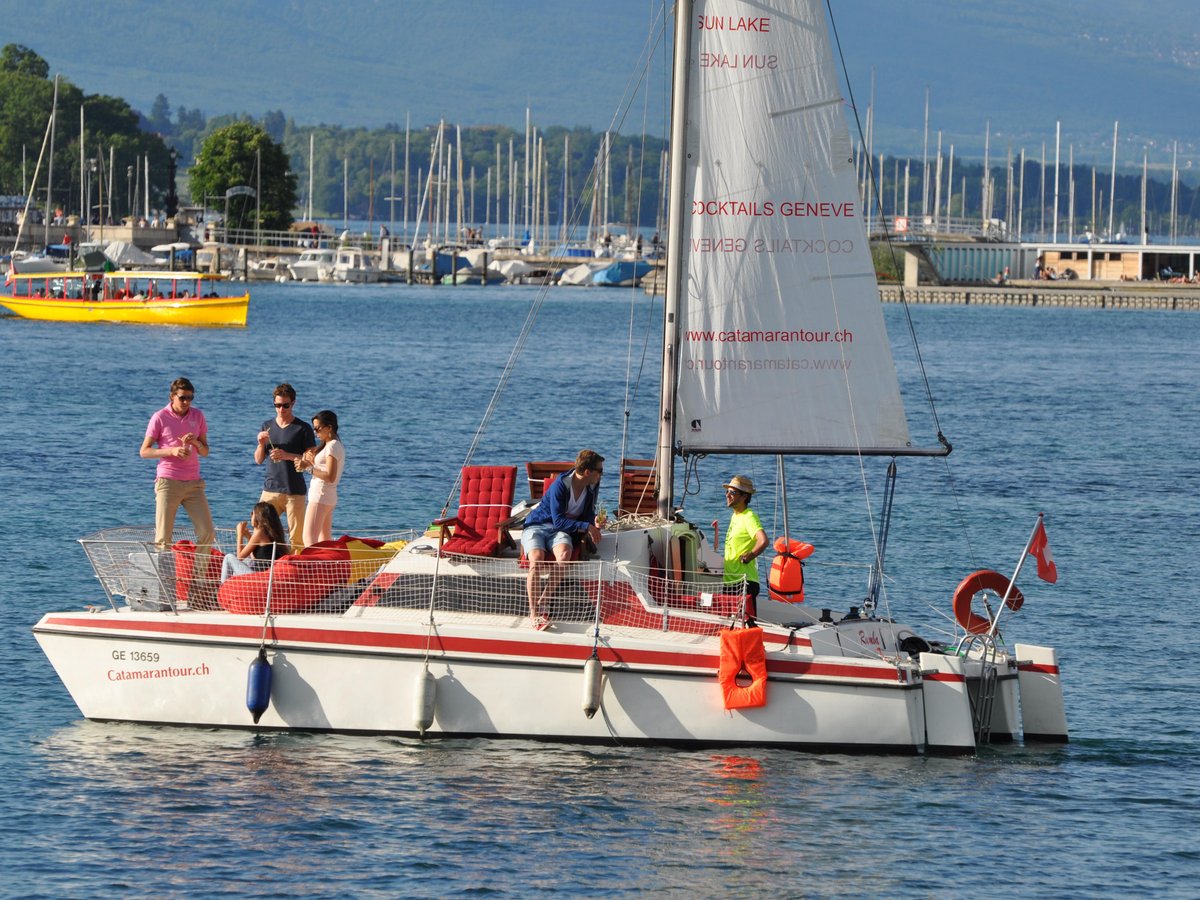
(270, 268)
(352, 265)
(645, 642)
(311, 263)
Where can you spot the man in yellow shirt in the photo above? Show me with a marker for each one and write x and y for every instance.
(745, 539)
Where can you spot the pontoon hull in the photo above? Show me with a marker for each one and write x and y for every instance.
(361, 675)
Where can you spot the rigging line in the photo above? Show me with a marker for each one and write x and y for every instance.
(653, 38)
(877, 200)
(875, 535)
(592, 182)
(631, 389)
(506, 373)
(501, 383)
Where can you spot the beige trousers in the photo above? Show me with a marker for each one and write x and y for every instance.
(169, 495)
(294, 506)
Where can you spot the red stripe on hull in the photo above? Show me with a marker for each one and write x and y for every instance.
(338, 638)
(951, 677)
(1039, 668)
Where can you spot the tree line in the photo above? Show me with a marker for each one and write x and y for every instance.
(352, 168)
(113, 137)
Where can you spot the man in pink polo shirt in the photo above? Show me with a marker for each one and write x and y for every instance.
(181, 434)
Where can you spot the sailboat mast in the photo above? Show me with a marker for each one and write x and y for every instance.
(32, 186)
(308, 212)
(50, 163)
(1112, 189)
(675, 235)
(84, 218)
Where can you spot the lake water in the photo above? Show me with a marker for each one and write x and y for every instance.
(1089, 416)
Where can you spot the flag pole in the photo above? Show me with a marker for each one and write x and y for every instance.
(1012, 581)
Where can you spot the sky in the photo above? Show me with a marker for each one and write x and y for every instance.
(1002, 70)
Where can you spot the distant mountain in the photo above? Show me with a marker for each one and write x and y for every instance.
(1022, 65)
(352, 62)
(1019, 64)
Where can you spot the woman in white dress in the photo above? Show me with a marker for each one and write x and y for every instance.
(326, 462)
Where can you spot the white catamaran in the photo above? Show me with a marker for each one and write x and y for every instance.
(775, 344)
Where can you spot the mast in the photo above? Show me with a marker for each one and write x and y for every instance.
(1145, 163)
(1057, 140)
(85, 230)
(37, 169)
(925, 161)
(309, 211)
(1021, 200)
(666, 422)
(406, 171)
(1112, 188)
(50, 161)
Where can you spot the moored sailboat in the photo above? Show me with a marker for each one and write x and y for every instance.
(765, 353)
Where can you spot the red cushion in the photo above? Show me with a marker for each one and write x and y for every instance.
(298, 581)
(185, 562)
(484, 501)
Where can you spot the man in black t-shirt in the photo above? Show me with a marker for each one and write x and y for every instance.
(281, 442)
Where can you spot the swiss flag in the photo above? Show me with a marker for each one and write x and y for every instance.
(1040, 548)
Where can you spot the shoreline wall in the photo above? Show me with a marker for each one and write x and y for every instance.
(1173, 297)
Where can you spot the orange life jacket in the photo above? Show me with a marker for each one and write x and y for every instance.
(743, 649)
(786, 582)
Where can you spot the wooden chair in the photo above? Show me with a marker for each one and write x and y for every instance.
(484, 502)
(582, 546)
(542, 473)
(639, 488)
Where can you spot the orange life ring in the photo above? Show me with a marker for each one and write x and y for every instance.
(743, 649)
(983, 580)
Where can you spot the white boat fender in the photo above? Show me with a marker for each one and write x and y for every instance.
(593, 685)
(258, 685)
(424, 701)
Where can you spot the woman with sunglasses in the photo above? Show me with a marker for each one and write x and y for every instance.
(258, 543)
(326, 462)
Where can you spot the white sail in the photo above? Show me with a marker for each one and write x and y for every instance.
(781, 341)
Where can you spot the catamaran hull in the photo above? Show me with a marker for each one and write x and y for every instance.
(363, 677)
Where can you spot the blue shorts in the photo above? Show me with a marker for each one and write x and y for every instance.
(543, 537)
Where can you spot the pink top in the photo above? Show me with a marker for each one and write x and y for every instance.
(167, 428)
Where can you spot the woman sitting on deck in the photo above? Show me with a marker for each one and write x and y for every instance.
(267, 541)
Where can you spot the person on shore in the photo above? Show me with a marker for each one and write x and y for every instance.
(567, 511)
(283, 441)
(258, 543)
(326, 462)
(177, 436)
(745, 540)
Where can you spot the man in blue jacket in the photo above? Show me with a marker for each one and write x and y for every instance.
(566, 512)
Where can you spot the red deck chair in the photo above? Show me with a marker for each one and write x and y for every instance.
(484, 501)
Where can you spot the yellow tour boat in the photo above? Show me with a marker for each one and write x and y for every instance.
(140, 298)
